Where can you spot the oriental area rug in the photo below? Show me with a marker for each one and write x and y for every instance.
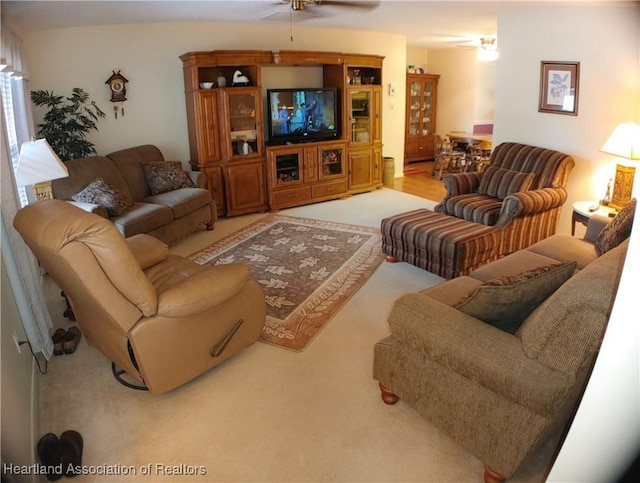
(307, 268)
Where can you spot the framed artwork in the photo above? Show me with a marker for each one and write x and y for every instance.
(559, 83)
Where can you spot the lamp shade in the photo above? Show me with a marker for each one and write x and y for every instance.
(38, 163)
(624, 141)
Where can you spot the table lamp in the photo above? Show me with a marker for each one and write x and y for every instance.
(38, 165)
(625, 143)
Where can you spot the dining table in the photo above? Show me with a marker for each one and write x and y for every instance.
(469, 137)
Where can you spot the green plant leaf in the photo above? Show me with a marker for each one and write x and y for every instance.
(67, 121)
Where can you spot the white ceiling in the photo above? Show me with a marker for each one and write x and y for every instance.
(425, 23)
(429, 24)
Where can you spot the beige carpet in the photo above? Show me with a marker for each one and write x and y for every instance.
(307, 269)
(268, 415)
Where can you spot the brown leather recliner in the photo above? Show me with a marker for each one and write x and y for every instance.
(160, 317)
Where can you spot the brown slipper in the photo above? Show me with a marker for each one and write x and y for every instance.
(71, 340)
(71, 445)
(58, 339)
(48, 450)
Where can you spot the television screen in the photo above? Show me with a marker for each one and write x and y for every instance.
(297, 115)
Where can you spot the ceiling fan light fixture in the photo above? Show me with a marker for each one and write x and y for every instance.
(297, 5)
(488, 50)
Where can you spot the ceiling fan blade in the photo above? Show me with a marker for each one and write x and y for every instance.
(364, 5)
(313, 5)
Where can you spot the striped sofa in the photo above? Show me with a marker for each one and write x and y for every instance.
(521, 192)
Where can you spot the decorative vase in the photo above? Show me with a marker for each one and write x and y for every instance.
(222, 81)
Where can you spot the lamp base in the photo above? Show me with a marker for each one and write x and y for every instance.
(43, 191)
(622, 186)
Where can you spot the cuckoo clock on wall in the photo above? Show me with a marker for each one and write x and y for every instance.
(118, 90)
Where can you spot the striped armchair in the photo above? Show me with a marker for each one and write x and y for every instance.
(522, 191)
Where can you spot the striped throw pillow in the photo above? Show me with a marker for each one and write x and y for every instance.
(500, 182)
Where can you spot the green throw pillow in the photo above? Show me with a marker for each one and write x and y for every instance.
(505, 302)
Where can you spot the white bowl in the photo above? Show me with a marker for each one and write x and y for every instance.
(206, 85)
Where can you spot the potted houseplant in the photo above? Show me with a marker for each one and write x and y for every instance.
(67, 122)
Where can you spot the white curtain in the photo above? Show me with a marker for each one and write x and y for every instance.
(23, 271)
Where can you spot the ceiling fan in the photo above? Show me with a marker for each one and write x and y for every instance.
(465, 41)
(485, 46)
(301, 5)
(307, 9)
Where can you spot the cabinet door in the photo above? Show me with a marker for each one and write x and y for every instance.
(360, 118)
(378, 166)
(215, 185)
(243, 113)
(245, 183)
(414, 108)
(286, 168)
(360, 169)
(427, 124)
(332, 162)
(427, 146)
(421, 106)
(208, 138)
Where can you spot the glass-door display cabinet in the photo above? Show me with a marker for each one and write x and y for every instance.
(364, 115)
(288, 169)
(331, 162)
(420, 117)
(360, 118)
(243, 110)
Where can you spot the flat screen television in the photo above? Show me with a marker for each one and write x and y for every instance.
(302, 114)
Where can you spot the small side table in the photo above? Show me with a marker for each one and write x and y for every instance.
(582, 213)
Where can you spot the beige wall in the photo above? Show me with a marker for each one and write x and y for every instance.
(19, 416)
(456, 88)
(485, 92)
(418, 57)
(147, 56)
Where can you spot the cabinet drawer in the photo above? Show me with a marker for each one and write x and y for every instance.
(295, 195)
(329, 189)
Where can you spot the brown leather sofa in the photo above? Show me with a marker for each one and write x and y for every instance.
(492, 359)
(160, 317)
(168, 216)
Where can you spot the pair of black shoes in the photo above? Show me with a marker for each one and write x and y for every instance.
(61, 456)
(66, 341)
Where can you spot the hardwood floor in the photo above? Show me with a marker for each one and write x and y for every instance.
(422, 183)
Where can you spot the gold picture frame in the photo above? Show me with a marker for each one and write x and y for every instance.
(622, 186)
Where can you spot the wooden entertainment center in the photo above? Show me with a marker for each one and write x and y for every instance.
(227, 137)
